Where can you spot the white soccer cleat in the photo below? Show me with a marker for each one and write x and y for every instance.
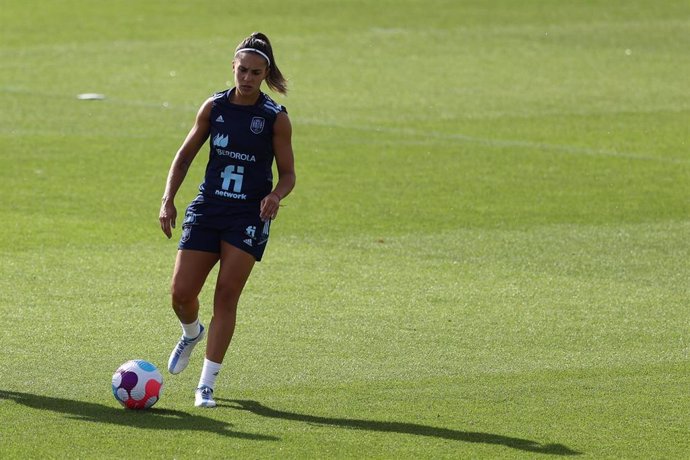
(204, 397)
(179, 358)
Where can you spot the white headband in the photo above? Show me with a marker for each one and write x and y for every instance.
(253, 50)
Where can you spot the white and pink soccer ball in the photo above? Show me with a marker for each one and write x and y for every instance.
(137, 384)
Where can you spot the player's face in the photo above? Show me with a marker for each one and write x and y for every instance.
(250, 70)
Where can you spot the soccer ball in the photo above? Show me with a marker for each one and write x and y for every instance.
(137, 384)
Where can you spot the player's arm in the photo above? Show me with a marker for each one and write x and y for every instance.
(180, 165)
(285, 162)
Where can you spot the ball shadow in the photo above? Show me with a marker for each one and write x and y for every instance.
(153, 419)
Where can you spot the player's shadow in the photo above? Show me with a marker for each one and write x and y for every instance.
(154, 418)
(404, 428)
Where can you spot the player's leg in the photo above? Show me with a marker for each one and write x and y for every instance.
(191, 270)
(235, 267)
(190, 273)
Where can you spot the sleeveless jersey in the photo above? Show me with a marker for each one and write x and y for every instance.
(239, 169)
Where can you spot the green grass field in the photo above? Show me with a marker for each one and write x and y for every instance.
(486, 255)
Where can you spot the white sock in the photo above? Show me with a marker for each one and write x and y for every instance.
(191, 330)
(209, 373)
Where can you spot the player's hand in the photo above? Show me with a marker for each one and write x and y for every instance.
(269, 207)
(167, 217)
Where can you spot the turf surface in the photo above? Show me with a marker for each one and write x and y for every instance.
(486, 254)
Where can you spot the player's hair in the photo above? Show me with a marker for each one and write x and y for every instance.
(259, 42)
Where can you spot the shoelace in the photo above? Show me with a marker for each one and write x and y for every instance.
(182, 345)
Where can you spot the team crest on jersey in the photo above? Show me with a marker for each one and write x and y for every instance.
(257, 125)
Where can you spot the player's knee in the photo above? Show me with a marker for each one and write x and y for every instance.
(182, 294)
(228, 292)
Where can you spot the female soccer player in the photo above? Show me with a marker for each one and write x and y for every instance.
(230, 218)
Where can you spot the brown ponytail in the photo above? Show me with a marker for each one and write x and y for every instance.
(260, 42)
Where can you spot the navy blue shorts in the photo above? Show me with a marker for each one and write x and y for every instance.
(206, 224)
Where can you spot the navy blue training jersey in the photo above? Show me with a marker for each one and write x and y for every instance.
(241, 155)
